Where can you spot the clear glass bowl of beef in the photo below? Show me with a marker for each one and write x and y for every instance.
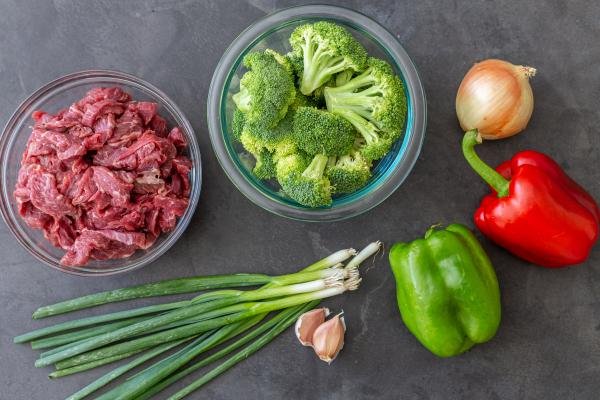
(273, 32)
(59, 95)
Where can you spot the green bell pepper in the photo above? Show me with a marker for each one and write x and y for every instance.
(447, 290)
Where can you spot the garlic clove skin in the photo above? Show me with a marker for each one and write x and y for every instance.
(307, 323)
(328, 338)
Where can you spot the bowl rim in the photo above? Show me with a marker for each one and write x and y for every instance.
(413, 137)
(66, 82)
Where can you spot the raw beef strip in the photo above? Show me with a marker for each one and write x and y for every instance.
(103, 244)
(129, 127)
(107, 182)
(177, 137)
(104, 177)
(94, 110)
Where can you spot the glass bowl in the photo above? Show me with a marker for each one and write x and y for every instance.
(59, 94)
(273, 32)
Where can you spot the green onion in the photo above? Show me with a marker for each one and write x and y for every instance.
(114, 374)
(84, 367)
(331, 274)
(176, 286)
(60, 348)
(186, 312)
(170, 364)
(60, 372)
(71, 337)
(131, 330)
(249, 323)
(285, 314)
(99, 319)
(207, 320)
(365, 253)
(252, 309)
(248, 351)
(243, 354)
(331, 260)
(138, 344)
(164, 288)
(185, 329)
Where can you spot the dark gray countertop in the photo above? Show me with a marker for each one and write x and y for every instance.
(548, 345)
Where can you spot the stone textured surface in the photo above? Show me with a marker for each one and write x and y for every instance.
(548, 346)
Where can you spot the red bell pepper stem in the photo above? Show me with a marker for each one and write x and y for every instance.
(493, 178)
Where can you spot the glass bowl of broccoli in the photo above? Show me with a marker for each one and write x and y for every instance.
(316, 113)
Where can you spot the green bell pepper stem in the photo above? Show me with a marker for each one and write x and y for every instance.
(493, 178)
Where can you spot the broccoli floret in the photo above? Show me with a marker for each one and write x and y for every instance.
(266, 90)
(251, 143)
(268, 154)
(284, 147)
(237, 124)
(291, 163)
(271, 136)
(376, 144)
(278, 140)
(375, 103)
(303, 101)
(265, 165)
(326, 49)
(321, 132)
(284, 61)
(310, 187)
(296, 62)
(349, 173)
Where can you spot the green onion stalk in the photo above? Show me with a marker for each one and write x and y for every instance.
(134, 390)
(293, 313)
(96, 320)
(352, 266)
(144, 382)
(179, 286)
(70, 337)
(243, 354)
(116, 373)
(207, 320)
(193, 309)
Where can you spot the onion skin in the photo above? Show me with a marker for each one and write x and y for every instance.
(495, 98)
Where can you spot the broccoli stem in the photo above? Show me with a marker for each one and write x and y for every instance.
(318, 68)
(365, 98)
(363, 79)
(331, 161)
(343, 77)
(316, 167)
(366, 129)
(346, 97)
(344, 160)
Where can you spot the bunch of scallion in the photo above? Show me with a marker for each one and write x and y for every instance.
(238, 320)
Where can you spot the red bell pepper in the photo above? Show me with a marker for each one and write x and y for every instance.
(536, 211)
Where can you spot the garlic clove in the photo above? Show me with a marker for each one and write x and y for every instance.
(328, 338)
(308, 322)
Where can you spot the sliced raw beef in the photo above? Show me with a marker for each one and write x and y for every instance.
(104, 177)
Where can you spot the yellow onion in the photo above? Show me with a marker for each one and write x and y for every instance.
(495, 98)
